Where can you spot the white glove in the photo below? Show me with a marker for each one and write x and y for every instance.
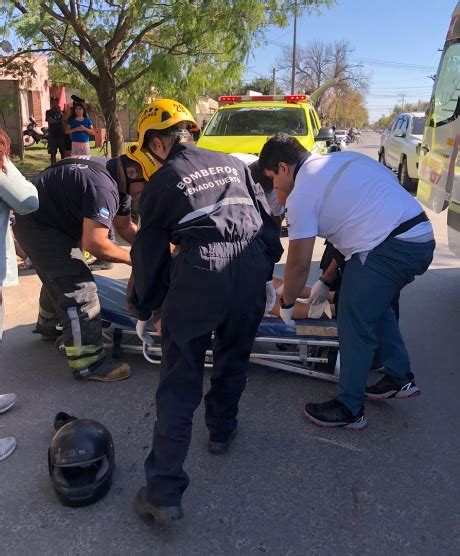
(316, 311)
(142, 328)
(273, 202)
(286, 315)
(318, 293)
(271, 296)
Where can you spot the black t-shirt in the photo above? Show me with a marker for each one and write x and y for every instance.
(54, 128)
(69, 193)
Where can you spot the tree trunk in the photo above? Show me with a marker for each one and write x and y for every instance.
(107, 94)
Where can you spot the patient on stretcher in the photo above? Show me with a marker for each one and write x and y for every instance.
(302, 306)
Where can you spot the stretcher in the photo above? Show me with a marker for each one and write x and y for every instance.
(310, 350)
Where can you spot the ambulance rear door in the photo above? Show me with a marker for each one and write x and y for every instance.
(439, 173)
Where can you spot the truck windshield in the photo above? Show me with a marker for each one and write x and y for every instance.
(255, 120)
(417, 126)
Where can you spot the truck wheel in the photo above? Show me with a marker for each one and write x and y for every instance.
(382, 157)
(408, 183)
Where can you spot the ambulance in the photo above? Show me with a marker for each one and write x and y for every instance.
(439, 162)
(244, 123)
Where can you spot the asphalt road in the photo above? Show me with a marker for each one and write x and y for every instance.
(287, 487)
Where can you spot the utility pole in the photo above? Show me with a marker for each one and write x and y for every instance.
(294, 49)
(274, 82)
(403, 96)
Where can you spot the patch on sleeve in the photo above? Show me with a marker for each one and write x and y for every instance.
(104, 213)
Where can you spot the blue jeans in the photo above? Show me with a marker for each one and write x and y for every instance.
(367, 322)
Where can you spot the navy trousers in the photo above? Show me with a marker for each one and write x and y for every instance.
(216, 288)
(366, 320)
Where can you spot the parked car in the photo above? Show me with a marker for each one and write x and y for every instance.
(341, 134)
(398, 147)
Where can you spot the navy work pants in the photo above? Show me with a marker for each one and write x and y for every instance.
(68, 294)
(366, 321)
(218, 288)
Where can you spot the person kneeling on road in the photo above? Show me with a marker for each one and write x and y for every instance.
(79, 198)
(359, 206)
(206, 203)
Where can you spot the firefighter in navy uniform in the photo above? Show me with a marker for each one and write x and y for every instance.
(207, 205)
(80, 199)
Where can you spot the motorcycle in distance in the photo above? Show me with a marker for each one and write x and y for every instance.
(333, 143)
(31, 136)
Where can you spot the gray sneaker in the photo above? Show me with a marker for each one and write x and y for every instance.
(6, 402)
(7, 447)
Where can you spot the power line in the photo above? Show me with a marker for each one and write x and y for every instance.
(368, 61)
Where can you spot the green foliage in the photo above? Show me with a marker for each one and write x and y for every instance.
(384, 122)
(262, 85)
(129, 48)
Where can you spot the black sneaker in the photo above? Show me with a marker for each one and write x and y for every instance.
(334, 414)
(163, 515)
(220, 447)
(389, 387)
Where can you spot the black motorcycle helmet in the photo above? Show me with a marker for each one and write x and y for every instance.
(325, 134)
(81, 460)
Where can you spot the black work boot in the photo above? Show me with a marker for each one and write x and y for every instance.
(106, 371)
(47, 332)
(221, 446)
(162, 515)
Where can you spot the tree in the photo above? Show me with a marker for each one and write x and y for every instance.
(320, 63)
(384, 122)
(135, 47)
(262, 85)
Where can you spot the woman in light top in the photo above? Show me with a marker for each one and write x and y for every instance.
(18, 195)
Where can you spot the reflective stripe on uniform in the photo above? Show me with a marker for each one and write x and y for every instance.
(212, 208)
(75, 324)
(84, 362)
(77, 351)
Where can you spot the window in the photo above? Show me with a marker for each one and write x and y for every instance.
(418, 125)
(396, 124)
(403, 124)
(447, 88)
(255, 120)
(314, 123)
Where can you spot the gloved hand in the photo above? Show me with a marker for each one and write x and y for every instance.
(286, 315)
(318, 293)
(142, 328)
(271, 296)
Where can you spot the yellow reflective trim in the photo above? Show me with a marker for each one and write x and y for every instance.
(76, 351)
(423, 191)
(85, 362)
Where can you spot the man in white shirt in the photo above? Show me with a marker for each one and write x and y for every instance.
(387, 239)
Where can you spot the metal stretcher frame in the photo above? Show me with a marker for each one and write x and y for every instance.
(276, 346)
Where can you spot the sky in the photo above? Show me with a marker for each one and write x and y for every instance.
(396, 41)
